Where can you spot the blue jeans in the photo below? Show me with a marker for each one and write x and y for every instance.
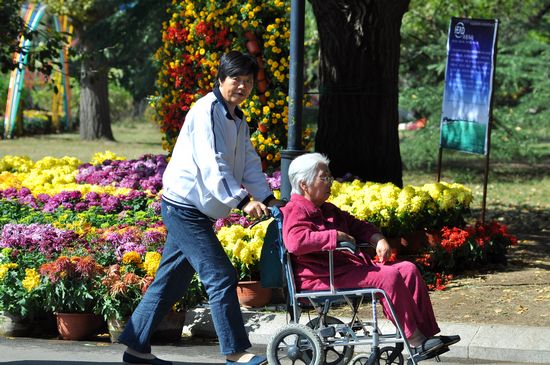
(191, 245)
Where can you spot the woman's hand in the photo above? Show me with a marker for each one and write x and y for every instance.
(383, 249)
(255, 209)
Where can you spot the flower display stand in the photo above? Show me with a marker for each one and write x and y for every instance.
(115, 327)
(78, 326)
(41, 324)
(14, 325)
(252, 294)
(169, 329)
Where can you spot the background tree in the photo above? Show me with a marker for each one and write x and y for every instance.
(112, 33)
(86, 15)
(358, 75)
(136, 34)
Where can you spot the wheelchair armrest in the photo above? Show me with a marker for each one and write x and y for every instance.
(366, 245)
(350, 246)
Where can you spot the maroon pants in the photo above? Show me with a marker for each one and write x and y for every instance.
(407, 291)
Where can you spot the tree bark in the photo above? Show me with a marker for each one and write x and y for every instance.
(358, 109)
(95, 119)
(138, 107)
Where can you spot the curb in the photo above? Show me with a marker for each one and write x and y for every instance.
(479, 342)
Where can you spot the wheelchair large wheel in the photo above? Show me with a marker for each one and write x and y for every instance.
(295, 344)
(334, 355)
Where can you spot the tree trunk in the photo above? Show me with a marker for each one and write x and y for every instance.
(358, 111)
(138, 107)
(95, 119)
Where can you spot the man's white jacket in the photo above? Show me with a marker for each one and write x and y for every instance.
(212, 160)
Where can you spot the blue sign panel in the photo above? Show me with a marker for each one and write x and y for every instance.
(468, 84)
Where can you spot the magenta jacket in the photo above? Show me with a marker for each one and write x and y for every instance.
(309, 230)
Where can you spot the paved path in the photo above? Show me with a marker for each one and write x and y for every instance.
(480, 345)
(479, 342)
(32, 351)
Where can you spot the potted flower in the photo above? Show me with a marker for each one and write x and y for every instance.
(25, 247)
(244, 247)
(122, 287)
(20, 293)
(71, 285)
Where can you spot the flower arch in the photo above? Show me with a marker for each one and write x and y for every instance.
(194, 39)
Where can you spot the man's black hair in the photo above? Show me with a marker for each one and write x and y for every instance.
(235, 63)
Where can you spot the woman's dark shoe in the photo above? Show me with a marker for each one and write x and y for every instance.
(130, 359)
(449, 340)
(256, 360)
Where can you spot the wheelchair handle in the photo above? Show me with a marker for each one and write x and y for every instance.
(350, 246)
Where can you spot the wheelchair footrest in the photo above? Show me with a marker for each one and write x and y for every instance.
(431, 355)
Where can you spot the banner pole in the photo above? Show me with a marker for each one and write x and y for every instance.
(489, 127)
(440, 158)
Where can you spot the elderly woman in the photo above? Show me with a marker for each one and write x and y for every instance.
(312, 225)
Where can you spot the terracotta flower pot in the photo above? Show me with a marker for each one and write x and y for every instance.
(252, 294)
(262, 127)
(253, 47)
(413, 242)
(249, 35)
(78, 326)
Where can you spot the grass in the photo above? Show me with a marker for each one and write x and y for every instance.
(133, 139)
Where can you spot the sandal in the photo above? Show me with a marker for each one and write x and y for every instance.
(256, 360)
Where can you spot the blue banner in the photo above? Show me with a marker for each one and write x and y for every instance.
(468, 85)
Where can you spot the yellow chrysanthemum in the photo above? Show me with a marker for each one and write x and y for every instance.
(151, 262)
(31, 280)
(131, 257)
(99, 157)
(4, 268)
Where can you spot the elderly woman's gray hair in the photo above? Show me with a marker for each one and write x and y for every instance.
(304, 168)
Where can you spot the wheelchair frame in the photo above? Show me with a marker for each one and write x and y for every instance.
(310, 343)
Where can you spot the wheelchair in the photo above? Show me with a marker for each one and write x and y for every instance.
(325, 339)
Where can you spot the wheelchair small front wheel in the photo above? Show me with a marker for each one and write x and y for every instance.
(389, 355)
(361, 359)
(334, 355)
(295, 344)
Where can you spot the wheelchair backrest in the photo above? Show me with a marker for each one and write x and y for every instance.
(275, 264)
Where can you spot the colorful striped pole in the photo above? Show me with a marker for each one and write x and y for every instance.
(32, 17)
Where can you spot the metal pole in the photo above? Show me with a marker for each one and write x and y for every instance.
(439, 160)
(489, 127)
(295, 93)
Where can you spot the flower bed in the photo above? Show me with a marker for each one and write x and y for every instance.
(59, 213)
